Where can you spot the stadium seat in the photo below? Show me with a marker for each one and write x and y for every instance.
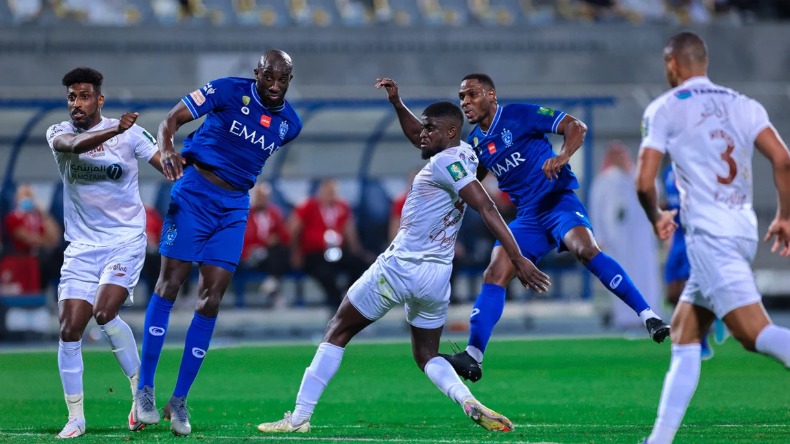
(220, 12)
(261, 12)
(405, 12)
(454, 12)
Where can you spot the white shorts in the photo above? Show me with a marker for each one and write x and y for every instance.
(86, 267)
(423, 288)
(721, 274)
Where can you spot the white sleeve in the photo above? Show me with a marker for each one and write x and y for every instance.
(452, 171)
(144, 143)
(655, 127)
(56, 130)
(758, 119)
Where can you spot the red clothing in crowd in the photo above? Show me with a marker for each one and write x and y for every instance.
(262, 224)
(397, 206)
(32, 220)
(317, 219)
(153, 225)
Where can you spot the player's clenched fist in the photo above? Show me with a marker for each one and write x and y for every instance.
(126, 121)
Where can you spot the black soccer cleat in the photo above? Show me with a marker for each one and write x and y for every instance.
(465, 365)
(657, 329)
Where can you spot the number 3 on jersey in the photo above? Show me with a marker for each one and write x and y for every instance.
(726, 156)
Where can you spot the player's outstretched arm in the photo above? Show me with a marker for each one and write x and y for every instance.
(771, 145)
(82, 143)
(646, 170)
(409, 123)
(172, 162)
(573, 131)
(476, 197)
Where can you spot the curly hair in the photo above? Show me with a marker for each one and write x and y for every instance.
(83, 75)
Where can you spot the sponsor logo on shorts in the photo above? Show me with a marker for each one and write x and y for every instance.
(156, 331)
(615, 281)
(120, 274)
(170, 235)
(198, 352)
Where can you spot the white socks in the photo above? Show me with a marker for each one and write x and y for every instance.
(475, 353)
(71, 367)
(123, 345)
(74, 404)
(774, 341)
(441, 373)
(323, 368)
(679, 386)
(647, 314)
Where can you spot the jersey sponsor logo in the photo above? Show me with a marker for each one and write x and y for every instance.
(88, 172)
(96, 152)
(683, 94)
(149, 137)
(457, 171)
(170, 235)
(198, 352)
(266, 121)
(241, 130)
(156, 331)
(615, 282)
(197, 97)
(507, 137)
(114, 171)
(546, 111)
(283, 129)
(491, 148)
(511, 162)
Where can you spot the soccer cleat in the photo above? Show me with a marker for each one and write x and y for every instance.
(705, 350)
(145, 403)
(720, 333)
(657, 329)
(486, 418)
(465, 365)
(284, 426)
(74, 428)
(176, 412)
(132, 421)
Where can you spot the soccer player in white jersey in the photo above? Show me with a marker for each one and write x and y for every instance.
(415, 271)
(105, 228)
(710, 133)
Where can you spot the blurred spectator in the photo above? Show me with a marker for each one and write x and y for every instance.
(266, 241)
(623, 231)
(34, 237)
(98, 12)
(153, 231)
(24, 11)
(325, 241)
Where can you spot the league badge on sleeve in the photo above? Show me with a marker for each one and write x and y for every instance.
(457, 171)
(546, 111)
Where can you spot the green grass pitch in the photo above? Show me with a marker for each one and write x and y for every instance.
(600, 390)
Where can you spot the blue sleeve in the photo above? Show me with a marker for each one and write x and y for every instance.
(540, 118)
(208, 98)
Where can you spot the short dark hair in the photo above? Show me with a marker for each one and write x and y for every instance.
(445, 109)
(84, 75)
(689, 46)
(485, 79)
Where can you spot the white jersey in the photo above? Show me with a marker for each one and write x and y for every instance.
(433, 211)
(709, 132)
(101, 197)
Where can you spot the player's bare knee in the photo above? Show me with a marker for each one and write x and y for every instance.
(747, 342)
(167, 289)
(421, 358)
(498, 275)
(104, 315)
(586, 252)
(69, 333)
(208, 306)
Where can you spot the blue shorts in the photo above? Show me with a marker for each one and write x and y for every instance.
(204, 223)
(677, 267)
(540, 228)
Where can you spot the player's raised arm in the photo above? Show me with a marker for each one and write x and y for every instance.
(172, 162)
(409, 123)
(771, 145)
(476, 197)
(82, 143)
(573, 131)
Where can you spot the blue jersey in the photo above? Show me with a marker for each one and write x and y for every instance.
(673, 196)
(514, 149)
(239, 133)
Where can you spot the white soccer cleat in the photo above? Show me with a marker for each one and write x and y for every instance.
(284, 426)
(74, 428)
(486, 418)
(145, 405)
(176, 412)
(132, 422)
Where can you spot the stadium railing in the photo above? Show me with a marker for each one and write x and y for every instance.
(370, 186)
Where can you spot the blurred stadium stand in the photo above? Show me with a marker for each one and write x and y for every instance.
(560, 53)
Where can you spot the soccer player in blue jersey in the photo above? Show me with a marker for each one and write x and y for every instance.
(511, 142)
(247, 120)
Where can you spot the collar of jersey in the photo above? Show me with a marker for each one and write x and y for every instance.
(257, 98)
(696, 80)
(493, 122)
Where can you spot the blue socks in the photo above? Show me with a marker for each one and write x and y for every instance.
(615, 279)
(157, 317)
(195, 348)
(488, 309)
